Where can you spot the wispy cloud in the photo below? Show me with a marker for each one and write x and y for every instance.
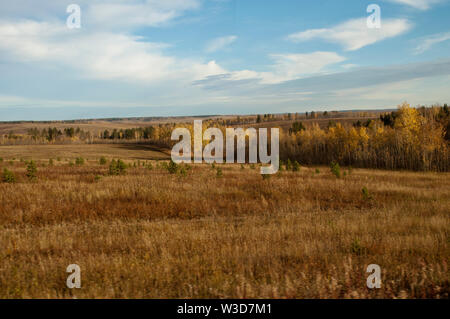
(286, 67)
(418, 4)
(428, 42)
(354, 34)
(220, 43)
(99, 55)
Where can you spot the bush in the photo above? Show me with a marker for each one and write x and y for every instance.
(149, 166)
(79, 161)
(117, 167)
(1, 159)
(317, 171)
(288, 165)
(296, 166)
(31, 170)
(102, 160)
(265, 176)
(8, 176)
(97, 178)
(219, 172)
(58, 159)
(172, 167)
(335, 169)
(365, 193)
(50, 162)
(182, 171)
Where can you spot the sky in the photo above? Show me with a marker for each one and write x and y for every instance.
(202, 57)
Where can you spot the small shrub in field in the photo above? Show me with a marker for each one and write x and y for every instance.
(242, 166)
(182, 171)
(71, 164)
(365, 193)
(317, 171)
(79, 161)
(50, 162)
(31, 170)
(1, 159)
(8, 176)
(11, 163)
(97, 178)
(219, 172)
(149, 166)
(172, 167)
(58, 159)
(335, 169)
(252, 166)
(356, 248)
(117, 167)
(265, 176)
(288, 165)
(213, 166)
(296, 166)
(102, 160)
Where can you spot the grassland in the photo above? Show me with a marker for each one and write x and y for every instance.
(150, 234)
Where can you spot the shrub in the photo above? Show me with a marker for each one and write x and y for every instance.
(317, 171)
(356, 248)
(172, 167)
(265, 176)
(1, 159)
(50, 162)
(117, 167)
(365, 193)
(219, 172)
(288, 165)
(252, 166)
(296, 166)
(97, 178)
(242, 166)
(31, 170)
(79, 161)
(8, 176)
(182, 171)
(58, 159)
(149, 166)
(102, 160)
(335, 169)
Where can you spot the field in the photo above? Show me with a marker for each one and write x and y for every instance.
(151, 234)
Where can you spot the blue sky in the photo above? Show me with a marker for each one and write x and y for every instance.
(190, 57)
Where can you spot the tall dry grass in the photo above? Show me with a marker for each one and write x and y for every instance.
(150, 234)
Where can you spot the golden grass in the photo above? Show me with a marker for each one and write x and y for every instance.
(150, 234)
(87, 151)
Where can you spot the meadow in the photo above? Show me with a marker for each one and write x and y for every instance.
(216, 231)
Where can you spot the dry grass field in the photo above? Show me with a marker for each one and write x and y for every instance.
(151, 234)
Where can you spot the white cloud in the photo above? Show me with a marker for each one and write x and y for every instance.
(103, 14)
(132, 13)
(418, 4)
(428, 42)
(220, 43)
(354, 34)
(98, 55)
(290, 66)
